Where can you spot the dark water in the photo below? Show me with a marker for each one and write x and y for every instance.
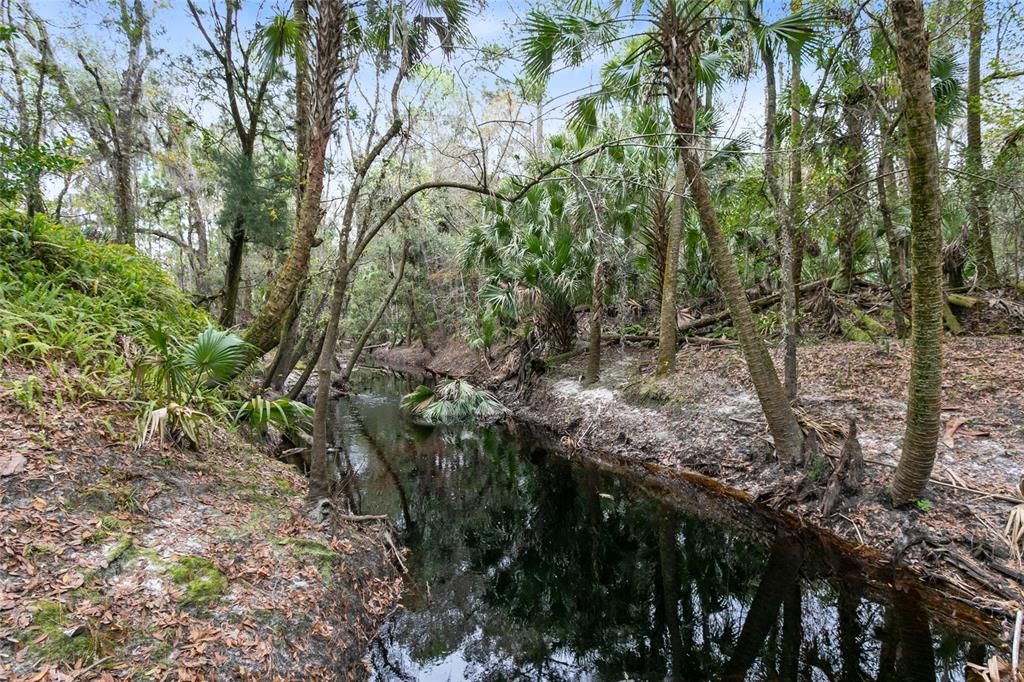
(525, 566)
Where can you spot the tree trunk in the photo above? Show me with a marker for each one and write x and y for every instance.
(792, 249)
(311, 364)
(897, 262)
(319, 485)
(302, 345)
(279, 368)
(785, 226)
(361, 341)
(124, 195)
(977, 205)
(854, 175)
(596, 313)
(782, 422)
(330, 37)
(301, 104)
(924, 399)
(233, 273)
(667, 320)
(681, 45)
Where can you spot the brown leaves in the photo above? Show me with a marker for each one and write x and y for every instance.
(71, 495)
(12, 463)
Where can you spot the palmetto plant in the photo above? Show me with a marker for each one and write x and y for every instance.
(283, 414)
(674, 44)
(181, 372)
(534, 268)
(452, 401)
(184, 382)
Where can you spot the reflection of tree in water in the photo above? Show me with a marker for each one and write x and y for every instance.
(522, 569)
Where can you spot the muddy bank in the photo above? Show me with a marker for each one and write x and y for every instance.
(161, 563)
(703, 424)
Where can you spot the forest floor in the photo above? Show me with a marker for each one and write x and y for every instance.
(704, 420)
(160, 563)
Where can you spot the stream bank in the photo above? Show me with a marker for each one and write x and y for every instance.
(703, 424)
(526, 564)
(164, 563)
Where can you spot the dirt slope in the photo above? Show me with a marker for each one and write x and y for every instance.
(162, 564)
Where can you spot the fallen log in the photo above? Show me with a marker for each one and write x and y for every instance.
(952, 324)
(962, 301)
(757, 304)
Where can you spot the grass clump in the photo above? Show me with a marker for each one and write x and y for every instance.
(204, 583)
(63, 643)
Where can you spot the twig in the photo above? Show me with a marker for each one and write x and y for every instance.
(398, 555)
(363, 518)
(1015, 653)
(744, 421)
(855, 527)
(107, 658)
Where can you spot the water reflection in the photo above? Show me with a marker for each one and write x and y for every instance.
(525, 566)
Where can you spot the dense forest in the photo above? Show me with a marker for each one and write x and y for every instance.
(212, 212)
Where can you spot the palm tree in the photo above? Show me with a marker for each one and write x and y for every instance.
(674, 38)
(327, 35)
(924, 400)
(791, 32)
(978, 207)
(398, 37)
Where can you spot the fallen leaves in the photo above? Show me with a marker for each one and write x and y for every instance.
(225, 504)
(12, 463)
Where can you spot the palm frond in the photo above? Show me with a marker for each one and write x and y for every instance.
(216, 355)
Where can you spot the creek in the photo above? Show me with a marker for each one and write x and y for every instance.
(526, 565)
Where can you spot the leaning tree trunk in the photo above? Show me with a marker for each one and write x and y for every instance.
(667, 320)
(782, 421)
(978, 208)
(680, 43)
(361, 341)
(924, 399)
(263, 332)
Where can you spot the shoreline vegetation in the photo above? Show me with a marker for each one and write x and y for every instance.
(810, 301)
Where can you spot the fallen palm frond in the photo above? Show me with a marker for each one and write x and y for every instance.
(171, 422)
(453, 401)
(830, 432)
(1013, 533)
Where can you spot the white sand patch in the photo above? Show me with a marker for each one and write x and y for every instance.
(569, 388)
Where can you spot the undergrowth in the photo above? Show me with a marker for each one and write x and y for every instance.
(62, 296)
(109, 323)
